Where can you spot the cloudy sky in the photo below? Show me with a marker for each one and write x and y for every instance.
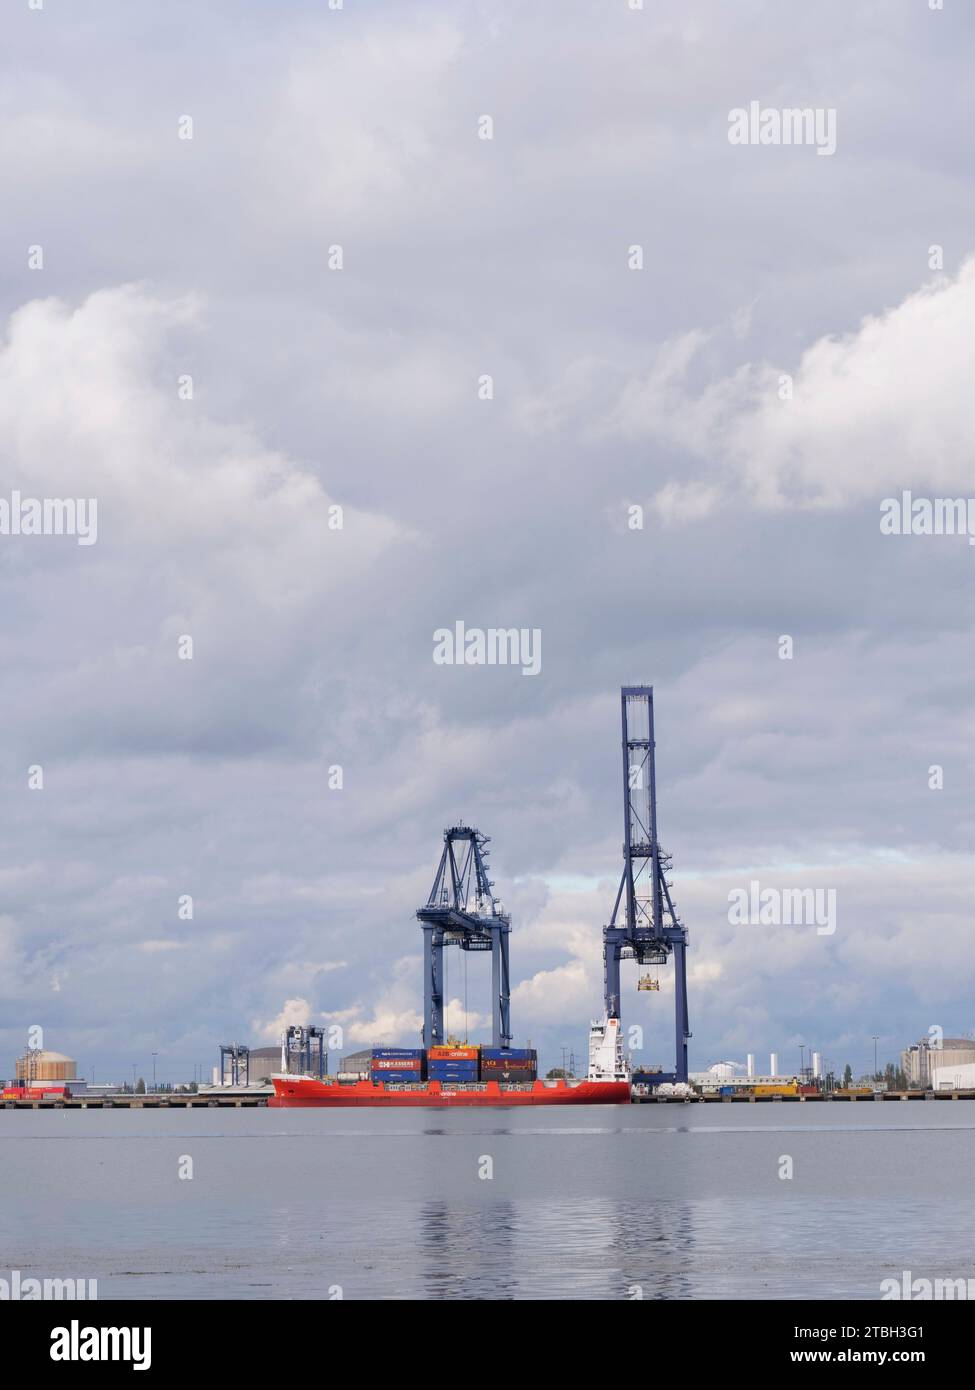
(211, 258)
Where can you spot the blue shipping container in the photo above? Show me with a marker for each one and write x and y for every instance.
(396, 1076)
(398, 1052)
(510, 1054)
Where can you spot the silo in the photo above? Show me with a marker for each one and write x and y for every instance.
(773, 1066)
(46, 1066)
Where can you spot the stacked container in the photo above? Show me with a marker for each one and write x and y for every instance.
(508, 1064)
(454, 1065)
(397, 1064)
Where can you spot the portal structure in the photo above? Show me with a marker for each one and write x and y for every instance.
(462, 910)
(644, 926)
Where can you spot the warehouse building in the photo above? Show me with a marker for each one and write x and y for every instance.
(922, 1063)
(264, 1063)
(357, 1063)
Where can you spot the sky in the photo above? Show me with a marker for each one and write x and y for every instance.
(262, 272)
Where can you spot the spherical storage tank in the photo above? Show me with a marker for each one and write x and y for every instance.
(47, 1066)
(723, 1071)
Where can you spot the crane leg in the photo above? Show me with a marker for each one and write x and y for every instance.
(680, 1007)
(496, 988)
(611, 977)
(432, 987)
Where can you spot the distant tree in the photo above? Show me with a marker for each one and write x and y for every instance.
(556, 1074)
(140, 1089)
(847, 1075)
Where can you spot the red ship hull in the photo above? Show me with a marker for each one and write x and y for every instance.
(306, 1091)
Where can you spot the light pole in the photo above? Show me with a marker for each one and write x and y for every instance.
(154, 1056)
(874, 1036)
(802, 1061)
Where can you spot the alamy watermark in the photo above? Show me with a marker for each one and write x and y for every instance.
(17, 1289)
(927, 1290)
(789, 125)
(50, 516)
(756, 906)
(908, 515)
(493, 646)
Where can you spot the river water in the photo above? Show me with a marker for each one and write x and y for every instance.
(676, 1201)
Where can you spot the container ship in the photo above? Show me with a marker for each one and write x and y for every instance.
(463, 910)
(463, 1075)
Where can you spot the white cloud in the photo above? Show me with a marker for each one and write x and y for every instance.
(874, 410)
(884, 407)
(294, 1013)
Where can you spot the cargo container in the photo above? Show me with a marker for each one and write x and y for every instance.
(391, 1063)
(35, 1090)
(452, 1073)
(397, 1076)
(787, 1088)
(453, 1054)
(496, 1063)
(520, 1054)
(397, 1052)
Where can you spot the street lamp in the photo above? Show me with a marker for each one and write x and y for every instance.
(874, 1036)
(154, 1056)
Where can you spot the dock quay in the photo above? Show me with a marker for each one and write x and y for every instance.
(237, 1100)
(820, 1099)
(254, 1098)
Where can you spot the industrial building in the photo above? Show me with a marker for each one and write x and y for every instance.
(46, 1066)
(935, 1068)
(264, 1062)
(357, 1063)
(743, 1074)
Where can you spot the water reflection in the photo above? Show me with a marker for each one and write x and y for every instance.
(609, 1249)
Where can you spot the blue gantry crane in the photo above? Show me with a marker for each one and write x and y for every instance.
(463, 910)
(644, 926)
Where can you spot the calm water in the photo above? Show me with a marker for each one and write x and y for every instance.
(683, 1201)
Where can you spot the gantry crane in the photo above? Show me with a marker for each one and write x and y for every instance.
(648, 929)
(462, 910)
